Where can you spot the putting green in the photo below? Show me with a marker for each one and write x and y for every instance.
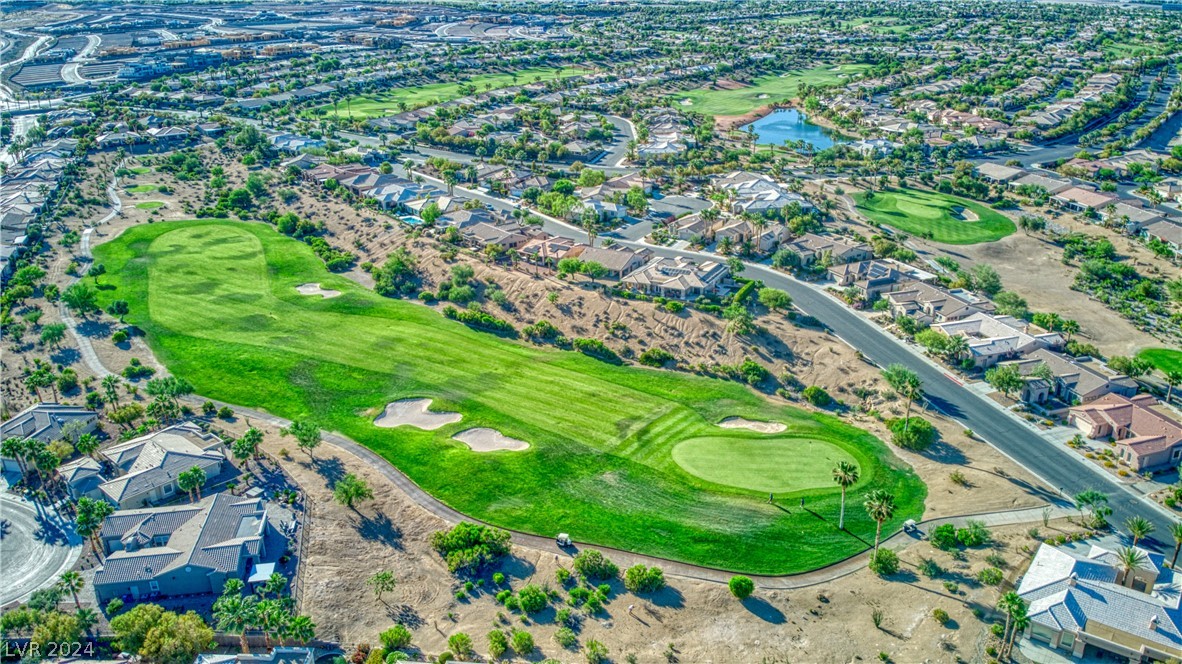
(217, 301)
(940, 217)
(761, 464)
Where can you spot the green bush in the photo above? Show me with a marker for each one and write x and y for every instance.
(565, 637)
(395, 638)
(503, 596)
(741, 586)
(468, 547)
(592, 565)
(596, 349)
(656, 357)
(974, 534)
(481, 321)
(943, 537)
(916, 436)
(460, 644)
(532, 599)
(498, 578)
(817, 396)
(753, 372)
(523, 642)
(941, 616)
(641, 579)
(930, 568)
(498, 643)
(884, 562)
(114, 606)
(119, 337)
(990, 576)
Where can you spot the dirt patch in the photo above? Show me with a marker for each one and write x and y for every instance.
(315, 289)
(490, 440)
(414, 412)
(728, 84)
(753, 425)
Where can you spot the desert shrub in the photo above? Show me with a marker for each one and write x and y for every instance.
(916, 436)
(941, 616)
(592, 565)
(468, 547)
(119, 337)
(114, 606)
(498, 643)
(498, 578)
(741, 586)
(395, 638)
(481, 321)
(578, 596)
(532, 599)
(990, 576)
(943, 537)
(817, 396)
(884, 562)
(656, 357)
(565, 637)
(596, 349)
(641, 579)
(930, 568)
(460, 643)
(973, 534)
(523, 642)
(596, 652)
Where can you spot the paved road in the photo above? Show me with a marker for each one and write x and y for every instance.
(36, 546)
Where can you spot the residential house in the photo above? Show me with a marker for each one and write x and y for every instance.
(998, 173)
(508, 236)
(1075, 380)
(1165, 231)
(931, 304)
(678, 277)
(811, 247)
(870, 278)
(147, 467)
(1147, 433)
(618, 260)
(759, 194)
(1078, 199)
(1051, 185)
(1084, 601)
(46, 422)
(187, 549)
(993, 339)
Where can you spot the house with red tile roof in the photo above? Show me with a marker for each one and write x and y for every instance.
(1148, 436)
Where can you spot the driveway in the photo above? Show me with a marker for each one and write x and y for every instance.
(36, 546)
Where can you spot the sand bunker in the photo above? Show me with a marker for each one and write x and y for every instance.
(315, 289)
(489, 440)
(761, 427)
(414, 412)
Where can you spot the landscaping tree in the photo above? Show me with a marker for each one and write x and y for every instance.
(1138, 527)
(72, 582)
(1176, 533)
(741, 586)
(907, 383)
(381, 583)
(52, 334)
(1096, 503)
(845, 474)
(88, 519)
(1130, 559)
(119, 309)
(236, 613)
(1005, 377)
(191, 481)
(351, 489)
(774, 299)
(880, 506)
(247, 447)
(306, 433)
(80, 298)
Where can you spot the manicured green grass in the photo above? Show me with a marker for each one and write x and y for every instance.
(149, 205)
(142, 189)
(218, 303)
(934, 215)
(388, 103)
(1165, 359)
(140, 170)
(761, 463)
(765, 90)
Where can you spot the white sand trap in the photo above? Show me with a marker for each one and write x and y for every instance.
(315, 289)
(489, 440)
(414, 412)
(761, 427)
(762, 96)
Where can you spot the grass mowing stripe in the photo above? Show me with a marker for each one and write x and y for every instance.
(216, 300)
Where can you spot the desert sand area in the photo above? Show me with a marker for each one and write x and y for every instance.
(415, 413)
(761, 427)
(490, 440)
(315, 289)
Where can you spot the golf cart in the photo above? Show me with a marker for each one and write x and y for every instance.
(563, 540)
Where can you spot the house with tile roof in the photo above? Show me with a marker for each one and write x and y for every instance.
(189, 549)
(678, 277)
(1075, 380)
(45, 422)
(993, 339)
(811, 247)
(143, 471)
(1084, 602)
(931, 304)
(1148, 434)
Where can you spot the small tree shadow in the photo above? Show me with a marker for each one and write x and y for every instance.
(330, 468)
(378, 528)
(760, 608)
(65, 356)
(942, 452)
(94, 329)
(668, 597)
(405, 615)
(516, 567)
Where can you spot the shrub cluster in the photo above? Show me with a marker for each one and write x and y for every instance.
(468, 547)
(641, 579)
(481, 321)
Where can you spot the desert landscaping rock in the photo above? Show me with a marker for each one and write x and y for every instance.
(761, 427)
(490, 440)
(315, 289)
(414, 412)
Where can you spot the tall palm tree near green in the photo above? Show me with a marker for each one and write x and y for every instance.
(907, 383)
(1176, 532)
(880, 506)
(111, 388)
(270, 617)
(846, 475)
(73, 582)
(1130, 559)
(1173, 379)
(1138, 527)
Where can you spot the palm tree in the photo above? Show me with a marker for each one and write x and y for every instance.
(1130, 559)
(1176, 532)
(846, 475)
(957, 346)
(111, 388)
(1021, 622)
(1010, 604)
(191, 481)
(301, 629)
(1138, 527)
(880, 506)
(1173, 378)
(234, 613)
(907, 383)
(87, 619)
(1070, 327)
(72, 581)
(13, 447)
